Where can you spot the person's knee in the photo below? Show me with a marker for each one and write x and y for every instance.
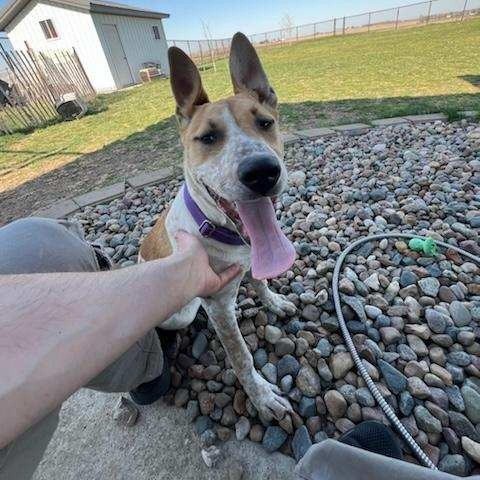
(41, 245)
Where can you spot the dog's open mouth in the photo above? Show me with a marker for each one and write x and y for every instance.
(272, 252)
(230, 210)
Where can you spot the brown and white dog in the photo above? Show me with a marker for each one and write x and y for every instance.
(233, 165)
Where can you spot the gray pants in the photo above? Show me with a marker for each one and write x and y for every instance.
(332, 460)
(37, 245)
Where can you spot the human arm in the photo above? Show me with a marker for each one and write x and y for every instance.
(57, 331)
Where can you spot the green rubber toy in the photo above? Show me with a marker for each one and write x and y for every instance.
(427, 246)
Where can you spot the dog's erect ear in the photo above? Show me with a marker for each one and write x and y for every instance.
(247, 72)
(186, 83)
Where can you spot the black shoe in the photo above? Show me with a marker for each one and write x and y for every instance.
(374, 437)
(149, 392)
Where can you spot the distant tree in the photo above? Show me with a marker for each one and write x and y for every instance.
(287, 24)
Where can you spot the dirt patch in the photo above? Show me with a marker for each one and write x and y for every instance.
(38, 188)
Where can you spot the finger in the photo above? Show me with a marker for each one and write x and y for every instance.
(228, 275)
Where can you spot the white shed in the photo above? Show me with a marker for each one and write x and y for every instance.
(113, 41)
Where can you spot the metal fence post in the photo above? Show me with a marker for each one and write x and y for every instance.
(334, 26)
(343, 26)
(314, 30)
(464, 10)
(369, 20)
(189, 49)
(297, 34)
(396, 18)
(429, 11)
(201, 52)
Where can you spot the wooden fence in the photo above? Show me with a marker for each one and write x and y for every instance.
(34, 83)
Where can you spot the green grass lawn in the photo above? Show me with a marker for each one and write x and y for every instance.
(331, 80)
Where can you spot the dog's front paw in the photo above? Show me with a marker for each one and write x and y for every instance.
(267, 399)
(279, 305)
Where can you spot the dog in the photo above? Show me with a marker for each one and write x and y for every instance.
(233, 165)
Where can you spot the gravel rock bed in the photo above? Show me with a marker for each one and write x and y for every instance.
(415, 320)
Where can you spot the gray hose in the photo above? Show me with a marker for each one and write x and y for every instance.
(420, 454)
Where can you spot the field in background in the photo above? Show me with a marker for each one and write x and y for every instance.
(328, 81)
(404, 16)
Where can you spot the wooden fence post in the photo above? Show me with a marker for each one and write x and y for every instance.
(334, 26)
(80, 67)
(343, 26)
(369, 20)
(396, 18)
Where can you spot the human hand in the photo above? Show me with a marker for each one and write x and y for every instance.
(205, 279)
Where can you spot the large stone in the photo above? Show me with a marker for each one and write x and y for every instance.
(462, 359)
(323, 370)
(463, 426)
(436, 320)
(429, 286)
(336, 403)
(396, 381)
(406, 403)
(460, 314)
(356, 305)
(418, 388)
(407, 277)
(274, 438)
(308, 382)
(426, 421)
(472, 448)
(472, 403)
(126, 412)
(390, 335)
(199, 345)
(340, 364)
(301, 442)
(272, 334)
(453, 464)
(288, 365)
(242, 428)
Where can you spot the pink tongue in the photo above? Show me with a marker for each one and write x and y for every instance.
(272, 252)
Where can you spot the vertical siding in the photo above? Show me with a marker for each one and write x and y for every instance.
(137, 38)
(75, 28)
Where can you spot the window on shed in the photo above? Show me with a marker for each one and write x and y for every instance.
(48, 29)
(156, 32)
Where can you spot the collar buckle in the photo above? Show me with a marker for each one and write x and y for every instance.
(207, 228)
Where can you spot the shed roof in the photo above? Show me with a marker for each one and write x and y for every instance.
(13, 8)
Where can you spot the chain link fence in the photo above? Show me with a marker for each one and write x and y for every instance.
(422, 13)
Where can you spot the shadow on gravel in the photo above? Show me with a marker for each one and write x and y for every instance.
(159, 145)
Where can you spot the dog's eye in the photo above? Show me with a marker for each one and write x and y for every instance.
(264, 123)
(208, 139)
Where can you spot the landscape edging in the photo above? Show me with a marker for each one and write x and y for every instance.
(67, 206)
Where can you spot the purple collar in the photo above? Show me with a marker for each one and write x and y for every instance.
(206, 227)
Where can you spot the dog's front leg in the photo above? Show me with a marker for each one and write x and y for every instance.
(275, 302)
(265, 396)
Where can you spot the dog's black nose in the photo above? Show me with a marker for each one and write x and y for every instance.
(259, 173)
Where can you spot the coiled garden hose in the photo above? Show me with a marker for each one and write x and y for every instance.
(390, 414)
